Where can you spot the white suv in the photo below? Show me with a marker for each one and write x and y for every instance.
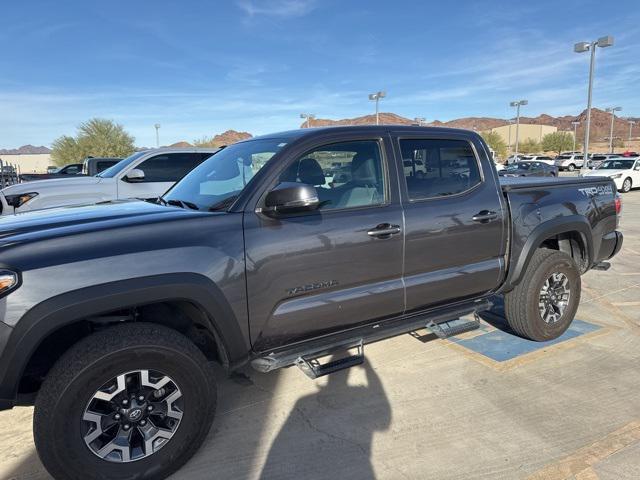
(143, 175)
(569, 161)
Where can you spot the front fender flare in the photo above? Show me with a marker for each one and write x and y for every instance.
(56, 312)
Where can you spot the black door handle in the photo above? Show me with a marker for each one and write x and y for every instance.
(484, 216)
(384, 230)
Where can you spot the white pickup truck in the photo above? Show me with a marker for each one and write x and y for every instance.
(147, 174)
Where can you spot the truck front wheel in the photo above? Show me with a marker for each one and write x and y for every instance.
(542, 306)
(133, 401)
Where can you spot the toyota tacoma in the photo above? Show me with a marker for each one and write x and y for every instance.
(112, 315)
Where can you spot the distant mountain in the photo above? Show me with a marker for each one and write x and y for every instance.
(229, 137)
(25, 150)
(600, 123)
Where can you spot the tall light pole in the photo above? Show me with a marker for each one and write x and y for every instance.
(582, 47)
(309, 117)
(518, 104)
(575, 134)
(157, 126)
(419, 120)
(613, 111)
(631, 124)
(377, 96)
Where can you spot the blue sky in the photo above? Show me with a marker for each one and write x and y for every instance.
(199, 68)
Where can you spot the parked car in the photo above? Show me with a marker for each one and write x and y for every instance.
(144, 175)
(529, 169)
(569, 161)
(625, 172)
(72, 169)
(537, 158)
(94, 165)
(596, 159)
(112, 313)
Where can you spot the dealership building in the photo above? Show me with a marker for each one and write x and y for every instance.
(526, 132)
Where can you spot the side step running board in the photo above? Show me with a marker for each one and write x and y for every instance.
(313, 369)
(305, 354)
(604, 266)
(453, 327)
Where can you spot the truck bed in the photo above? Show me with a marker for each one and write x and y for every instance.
(516, 183)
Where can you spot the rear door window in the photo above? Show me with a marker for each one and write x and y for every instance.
(439, 168)
(169, 167)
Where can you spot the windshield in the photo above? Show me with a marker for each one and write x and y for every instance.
(617, 165)
(215, 183)
(121, 165)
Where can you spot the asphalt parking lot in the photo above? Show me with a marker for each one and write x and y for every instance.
(486, 405)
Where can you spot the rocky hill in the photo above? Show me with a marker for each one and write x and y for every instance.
(25, 150)
(600, 123)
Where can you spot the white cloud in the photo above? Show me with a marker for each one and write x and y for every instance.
(277, 8)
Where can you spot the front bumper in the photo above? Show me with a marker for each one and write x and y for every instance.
(7, 389)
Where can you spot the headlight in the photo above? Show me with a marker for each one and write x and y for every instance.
(617, 175)
(8, 281)
(16, 201)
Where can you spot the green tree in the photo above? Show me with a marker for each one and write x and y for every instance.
(557, 142)
(97, 138)
(205, 142)
(529, 146)
(496, 143)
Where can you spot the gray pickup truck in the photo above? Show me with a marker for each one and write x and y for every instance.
(112, 314)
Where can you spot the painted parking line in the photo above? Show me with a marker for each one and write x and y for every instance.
(579, 465)
(501, 346)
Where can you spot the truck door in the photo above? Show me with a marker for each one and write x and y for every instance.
(455, 231)
(313, 273)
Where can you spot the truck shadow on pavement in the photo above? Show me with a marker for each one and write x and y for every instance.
(329, 433)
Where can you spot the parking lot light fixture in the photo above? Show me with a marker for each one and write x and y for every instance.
(582, 47)
(612, 111)
(308, 117)
(157, 127)
(376, 97)
(631, 124)
(518, 104)
(575, 133)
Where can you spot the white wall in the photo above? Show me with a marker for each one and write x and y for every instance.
(36, 163)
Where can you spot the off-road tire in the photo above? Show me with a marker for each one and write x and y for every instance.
(84, 368)
(521, 303)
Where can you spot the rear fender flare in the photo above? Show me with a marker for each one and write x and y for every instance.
(548, 229)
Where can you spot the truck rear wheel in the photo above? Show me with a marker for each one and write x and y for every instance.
(132, 401)
(544, 303)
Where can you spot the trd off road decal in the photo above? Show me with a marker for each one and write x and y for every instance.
(599, 190)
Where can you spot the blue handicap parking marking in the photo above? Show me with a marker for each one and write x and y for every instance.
(502, 346)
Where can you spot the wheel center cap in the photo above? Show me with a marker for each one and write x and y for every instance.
(135, 414)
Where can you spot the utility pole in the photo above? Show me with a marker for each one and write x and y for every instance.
(581, 47)
(518, 104)
(575, 134)
(376, 97)
(613, 111)
(157, 126)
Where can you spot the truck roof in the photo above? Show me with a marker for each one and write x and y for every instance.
(303, 132)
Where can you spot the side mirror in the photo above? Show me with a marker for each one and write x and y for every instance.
(134, 176)
(291, 197)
